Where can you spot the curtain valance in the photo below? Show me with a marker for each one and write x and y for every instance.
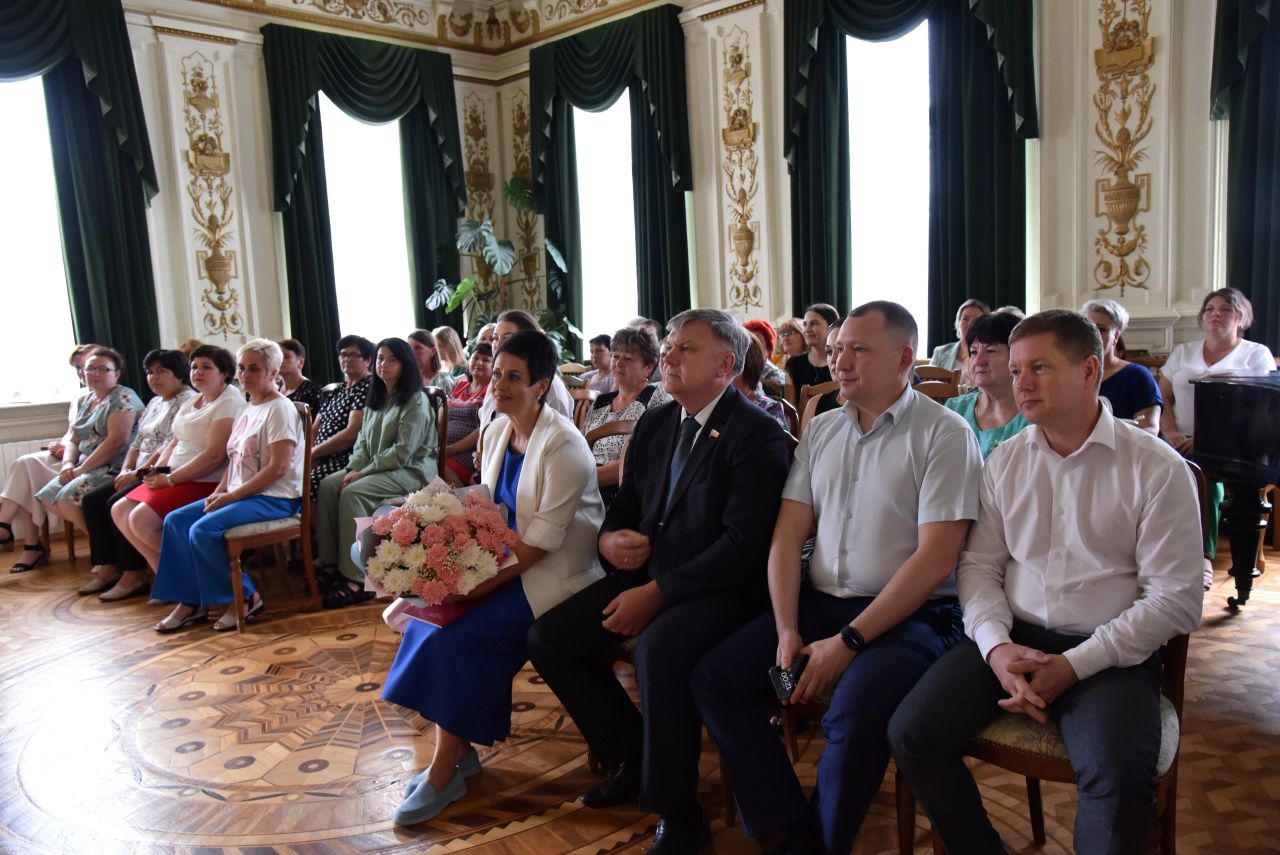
(37, 35)
(372, 81)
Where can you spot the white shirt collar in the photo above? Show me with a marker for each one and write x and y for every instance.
(896, 412)
(705, 413)
(1103, 433)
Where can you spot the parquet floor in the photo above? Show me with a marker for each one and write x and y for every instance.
(114, 739)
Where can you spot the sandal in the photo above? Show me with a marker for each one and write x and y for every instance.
(172, 624)
(342, 595)
(227, 622)
(42, 558)
(7, 545)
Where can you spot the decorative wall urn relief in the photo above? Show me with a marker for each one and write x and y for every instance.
(741, 167)
(532, 292)
(1123, 104)
(210, 193)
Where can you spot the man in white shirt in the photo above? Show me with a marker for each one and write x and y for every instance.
(890, 483)
(1084, 561)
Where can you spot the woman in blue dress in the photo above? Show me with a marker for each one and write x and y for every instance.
(991, 411)
(1128, 387)
(459, 676)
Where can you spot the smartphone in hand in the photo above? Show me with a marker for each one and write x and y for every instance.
(785, 680)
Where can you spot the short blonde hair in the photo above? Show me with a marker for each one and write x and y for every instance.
(269, 350)
(451, 347)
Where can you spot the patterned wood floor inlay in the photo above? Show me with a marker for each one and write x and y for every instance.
(115, 739)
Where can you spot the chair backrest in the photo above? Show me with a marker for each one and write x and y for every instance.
(793, 417)
(938, 390)
(309, 431)
(772, 388)
(622, 427)
(813, 391)
(792, 444)
(811, 410)
(937, 372)
(571, 382)
(582, 401)
(1173, 655)
(572, 368)
(440, 400)
(789, 390)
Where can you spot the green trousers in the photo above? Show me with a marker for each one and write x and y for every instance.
(338, 507)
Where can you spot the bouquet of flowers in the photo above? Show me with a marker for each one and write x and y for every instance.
(439, 542)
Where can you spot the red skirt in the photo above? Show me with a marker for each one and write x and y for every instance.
(171, 498)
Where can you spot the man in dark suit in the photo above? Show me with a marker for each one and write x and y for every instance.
(687, 539)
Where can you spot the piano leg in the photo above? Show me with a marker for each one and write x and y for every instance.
(1244, 518)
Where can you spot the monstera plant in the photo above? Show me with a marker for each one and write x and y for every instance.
(496, 259)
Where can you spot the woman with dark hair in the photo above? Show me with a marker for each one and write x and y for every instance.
(427, 358)
(991, 411)
(168, 376)
(1224, 316)
(509, 323)
(464, 414)
(338, 420)
(748, 383)
(394, 454)
(295, 386)
(105, 425)
(810, 367)
(459, 676)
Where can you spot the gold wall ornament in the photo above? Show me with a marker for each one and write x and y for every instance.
(568, 8)
(210, 193)
(531, 289)
(480, 183)
(741, 168)
(379, 11)
(1123, 104)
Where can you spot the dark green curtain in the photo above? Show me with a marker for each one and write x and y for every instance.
(590, 71)
(1246, 88)
(102, 163)
(977, 207)
(980, 70)
(374, 82)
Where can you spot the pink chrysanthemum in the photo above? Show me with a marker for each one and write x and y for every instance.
(404, 532)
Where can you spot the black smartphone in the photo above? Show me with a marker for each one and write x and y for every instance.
(785, 680)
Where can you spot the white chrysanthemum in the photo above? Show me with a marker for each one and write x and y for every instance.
(471, 556)
(432, 514)
(398, 580)
(450, 503)
(413, 557)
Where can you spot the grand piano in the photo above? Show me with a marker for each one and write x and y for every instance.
(1237, 441)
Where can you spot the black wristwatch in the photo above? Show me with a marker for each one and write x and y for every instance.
(853, 639)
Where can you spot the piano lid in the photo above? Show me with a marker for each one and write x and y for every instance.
(1237, 434)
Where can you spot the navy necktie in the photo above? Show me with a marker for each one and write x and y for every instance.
(684, 445)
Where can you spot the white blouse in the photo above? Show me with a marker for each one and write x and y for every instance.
(191, 427)
(1186, 363)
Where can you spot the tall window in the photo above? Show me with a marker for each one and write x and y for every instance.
(366, 217)
(889, 172)
(33, 289)
(603, 142)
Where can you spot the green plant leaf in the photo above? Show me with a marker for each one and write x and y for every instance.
(555, 255)
(518, 191)
(500, 255)
(465, 287)
(473, 235)
(440, 295)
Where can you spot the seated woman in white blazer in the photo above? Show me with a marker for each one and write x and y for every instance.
(537, 463)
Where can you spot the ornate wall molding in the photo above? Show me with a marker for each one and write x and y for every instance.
(210, 192)
(1123, 104)
(532, 292)
(741, 168)
(480, 187)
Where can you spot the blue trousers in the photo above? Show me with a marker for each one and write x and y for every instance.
(732, 689)
(194, 568)
(1109, 722)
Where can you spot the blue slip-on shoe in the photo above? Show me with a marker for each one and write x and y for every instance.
(426, 802)
(468, 766)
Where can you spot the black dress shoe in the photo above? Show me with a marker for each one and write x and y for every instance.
(620, 788)
(680, 838)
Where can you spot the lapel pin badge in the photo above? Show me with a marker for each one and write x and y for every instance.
(715, 434)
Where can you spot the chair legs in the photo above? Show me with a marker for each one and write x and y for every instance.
(1036, 808)
(237, 588)
(69, 532)
(906, 801)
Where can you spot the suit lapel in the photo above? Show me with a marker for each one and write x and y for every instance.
(703, 446)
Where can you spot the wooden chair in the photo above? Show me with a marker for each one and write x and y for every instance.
(936, 372)
(817, 389)
(440, 400)
(1019, 744)
(793, 418)
(572, 368)
(582, 400)
(622, 427)
(938, 390)
(789, 391)
(68, 532)
(277, 532)
(774, 389)
(811, 410)
(571, 382)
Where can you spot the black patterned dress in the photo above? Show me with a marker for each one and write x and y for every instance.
(335, 412)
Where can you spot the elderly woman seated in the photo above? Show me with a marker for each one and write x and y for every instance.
(262, 481)
(464, 416)
(991, 411)
(338, 421)
(395, 454)
(539, 466)
(188, 468)
(1127, 386)
(748, 383)
(115, 561)
(633, 357)
(96, 444)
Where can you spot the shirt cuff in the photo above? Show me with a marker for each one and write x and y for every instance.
(542, 535)
(989, 635)
(1088, 658)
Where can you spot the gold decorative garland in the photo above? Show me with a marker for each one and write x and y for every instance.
(741, 166)
(526, 221)
(480, 182)
(210, 193)
(1127, 54)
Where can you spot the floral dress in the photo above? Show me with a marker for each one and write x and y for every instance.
(89, 429)
(335, 414)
